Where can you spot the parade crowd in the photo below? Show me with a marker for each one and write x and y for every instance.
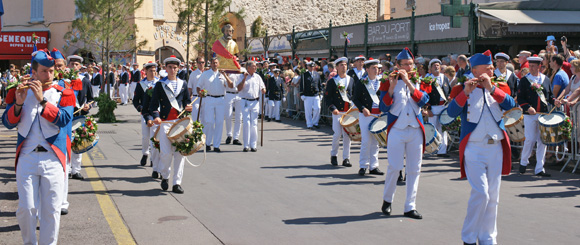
(395, 102)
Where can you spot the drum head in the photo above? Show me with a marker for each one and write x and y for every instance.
(513, 115)
(349, 118)
(378, 124)
(178, 127)
(444, 118)
(430, 132)
(552, 119)
(78, 122)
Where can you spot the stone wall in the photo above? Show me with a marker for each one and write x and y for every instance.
(280, 15)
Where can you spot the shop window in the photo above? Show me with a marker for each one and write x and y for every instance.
(158, 9)
(36, 11)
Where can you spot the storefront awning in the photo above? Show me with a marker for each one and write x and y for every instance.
(535, 20)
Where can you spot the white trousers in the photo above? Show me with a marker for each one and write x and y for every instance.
(275, 109)
(234, 107)
(483, 165)
(404, 143)
(435, 121)
(195, 107)
(250, 115)
(132, 87)
(145, 138)
(76, 162)
(65, 203)
(267, 109)
(154, 156)
(96, 91)
(312, 110)
(168, 154)
(369, 146)
(339, 131)
(124, 93)
(532, 134)
(214, 116)
(40, 182)
(111, 90)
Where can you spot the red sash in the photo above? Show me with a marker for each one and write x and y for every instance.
(219, 49)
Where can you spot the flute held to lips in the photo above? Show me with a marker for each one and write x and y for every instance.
(26, 86)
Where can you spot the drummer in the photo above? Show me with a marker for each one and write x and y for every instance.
(402, 100)
(532, 101)
(141, 103)
(437, 99)
(366, 98)
(484, 151)
(338, 101)
(165, 111)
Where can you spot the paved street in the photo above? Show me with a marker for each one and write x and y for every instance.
(286, 193)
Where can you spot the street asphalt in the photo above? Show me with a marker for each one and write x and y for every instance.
(285, 193)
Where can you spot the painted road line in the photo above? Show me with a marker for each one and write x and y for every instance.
(116, 223)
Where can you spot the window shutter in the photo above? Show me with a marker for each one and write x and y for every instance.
(36, 10)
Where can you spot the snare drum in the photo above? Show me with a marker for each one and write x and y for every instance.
(179, 129)
(432, 139)
(514, 124)
(78, 122)
(444, 118)
(378, 129)
(551, 133)
(349, 123)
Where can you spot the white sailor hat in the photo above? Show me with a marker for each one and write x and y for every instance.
(273, 64)
(83, 67)
(524, 52)
(360, 57)
(502, 55)
(264, 61)
(150, 64)
(182, 64)
(310, 63)
(371, 61)
(276, 70)
(341, 59)
(295, 68)
(172, 60)
(380, 66)
(535, 59)
(433, 61)
(135, 64)
(74, 57)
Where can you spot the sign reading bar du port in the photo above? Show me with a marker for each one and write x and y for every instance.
(20, 42)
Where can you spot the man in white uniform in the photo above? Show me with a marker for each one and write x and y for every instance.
(437, 99)
(192, 87)
(234, 108)
(250, 87)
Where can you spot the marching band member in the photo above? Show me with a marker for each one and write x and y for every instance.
(437, 99)
(533, 97)
(124, 86)
(214, 82)
(501, 61)
(135, 80)
(169, 98)
(357, 72)
(310, 87)
(234, 107)
(484, 151)
(96, 80)
(275, 94)
(250, 87)
(402, 100)
(84, 96)
(138, 100)
(338, 98)
(148, 84)
(43, 114)
(365, 97)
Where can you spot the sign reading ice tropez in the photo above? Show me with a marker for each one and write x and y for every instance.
(438, 27)
(389, 31)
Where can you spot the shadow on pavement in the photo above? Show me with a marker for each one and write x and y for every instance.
(134, 193)
(338, 219)
(9, 228)
(332, 176)
(136, 180)
(10, 196)
(378, 182)
(315, 167)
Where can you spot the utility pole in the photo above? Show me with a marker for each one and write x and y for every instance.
(187, 32)
(206, 29)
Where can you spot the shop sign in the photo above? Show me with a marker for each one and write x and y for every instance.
(20, 42)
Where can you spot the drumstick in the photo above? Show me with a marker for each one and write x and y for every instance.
(80, 109)
(188, 105)
(552, 110)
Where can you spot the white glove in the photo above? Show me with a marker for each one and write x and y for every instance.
(302, 97)
(284, 99)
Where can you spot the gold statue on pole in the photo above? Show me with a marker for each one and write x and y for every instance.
(226, 50)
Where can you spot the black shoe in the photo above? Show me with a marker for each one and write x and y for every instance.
(143, 160)
(78, 176)
(316, 126)
(522, 169)
(309, 128)
(63, 211)
(443, 155)
(228, 140)
(376, 171)
(208, 148)
(543, 174)
(278, 120)
(217, 149)
(253, 150)
(237, 142)
(333, 160)
(164, 184)
(386, 208)
(362, 171)
(400, 179)
(413, 214)
(69, 175)
(346, 163)
(177, 189)
(269, 119)
(464, 243)
(151, 164)
(155, 175)
(246, 149)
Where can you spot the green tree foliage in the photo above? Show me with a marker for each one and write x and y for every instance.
(258, 29)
